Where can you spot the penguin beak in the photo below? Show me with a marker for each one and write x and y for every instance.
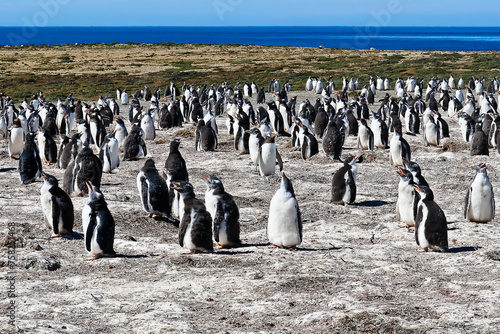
(207, 178)
(417, 188)
(284, 176)
(176, 185)
(90, 186)
(400, 171)
(165, 171)
(45, 176)
(483, 166)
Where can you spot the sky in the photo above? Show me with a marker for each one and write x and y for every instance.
(42, 13)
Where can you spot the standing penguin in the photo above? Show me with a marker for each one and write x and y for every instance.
(65, 140)
(479, 144)
(195, 229)
(255, 141)
(16, 138)
(344, 181)
(431, 132)
(153, 191)
(480, 199)
(309, 143)
(399, 148)
(406, 199)
(47, 147)
(380, 132)
(121, 133)
(332, 140)
(30, 165)
(134, 146)
(109, 153)
(205, 137)
(98, 225)
(268, 154)
(175, 163)
(148, 126)
(284, 226)
(224, 212)
(365, 136)
(431, 230)
(86, 167)
(57, 207)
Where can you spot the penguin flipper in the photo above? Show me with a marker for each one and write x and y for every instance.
(299, 220)
(197, 140)
(55, 215)
(218, 219)
(352, 186)
(186, 220)
(144, 193)
(280, 161)
(106, 233)
(90, 232)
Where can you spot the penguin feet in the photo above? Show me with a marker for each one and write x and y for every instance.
(55, 235)
(94, 256)
(423, 250)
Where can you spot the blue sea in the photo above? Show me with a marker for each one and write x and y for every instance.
(381, 38)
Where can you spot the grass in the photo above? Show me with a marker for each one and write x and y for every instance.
(85, 68)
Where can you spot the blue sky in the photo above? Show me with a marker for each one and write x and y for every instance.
(249, 13)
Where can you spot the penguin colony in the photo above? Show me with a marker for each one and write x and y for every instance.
(88, 140)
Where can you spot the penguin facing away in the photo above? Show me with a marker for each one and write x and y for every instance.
(479, 142)
(308, 142)
(134, 146)
(284, 226)
(431, 230)
(30, 165)
(57, 207)
(175, 163)
(480, 200)
(195, 229)
(344, 181)
(332, 141)
(224, 212)
(153, 191)
(98, 225)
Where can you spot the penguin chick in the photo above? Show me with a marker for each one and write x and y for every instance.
(98, 225)
(224, 212)
(344, 181)
(57, 207)
(153, 191)
(284, 226)
(195, 229)
(431, 230)
(30, 165)
(479, 199)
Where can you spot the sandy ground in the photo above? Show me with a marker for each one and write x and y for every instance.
(356, 270)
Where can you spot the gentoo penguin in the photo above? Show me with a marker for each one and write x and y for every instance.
(224, 212)
(205, 137)
(121, 133)
(134, 146)
(195, 229)
(65, 140)
(47, 147)
(284, 226)
(148, 126)
(124, 98)
(254, 143)
(431, 230)
(86, 167)
(175, 163)
(406, 198)
(268, 154)
(380, 132)
(479, 144)
(57, 207)
(70, 151)
(30, 165)
(153, 191)
(332, 140)
(320, 122)
(109, 153)
(344, 181)
(431, 132)
(98, 225)
(309, 143)
(416, 172)
(16, 139)
(365, 136)
(399, 148)
(479, 199)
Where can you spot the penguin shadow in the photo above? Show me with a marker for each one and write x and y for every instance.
(128, 256)
(463, 249)
(172, 221)
(235, 251)
(372, 203)
(6, 170)
(303, 249)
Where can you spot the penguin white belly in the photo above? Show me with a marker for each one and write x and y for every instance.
(253, 147)
(422, 240)
(347, 195)
(480, 201)
(267, 160)
(396, 151)
(41, 145)
(188, 241)
(405, 204)
(175, 205)
(16, 141)
(95, 248)
(282, 228)
(364, 138)
(149, 128)
(46, 200)
(223, 239)
(431, 134)
(377, 134)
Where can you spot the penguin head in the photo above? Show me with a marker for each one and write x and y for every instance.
(95, 194)
(174, 145)
(30, 137)
(183, 187)
(481, 168)
(286, 184)
(405, 175)
(49, 179)
(425, 192)
(149, 164)
(213, 182)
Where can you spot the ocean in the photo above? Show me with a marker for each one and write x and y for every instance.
(380, 38)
